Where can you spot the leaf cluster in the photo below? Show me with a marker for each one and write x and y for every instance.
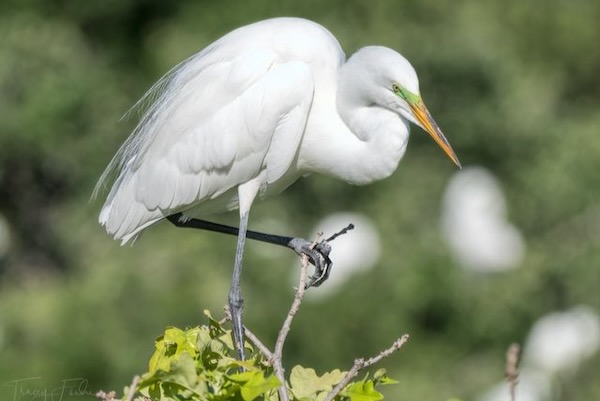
(196, 364)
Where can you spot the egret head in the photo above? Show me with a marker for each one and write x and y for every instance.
(392, 83)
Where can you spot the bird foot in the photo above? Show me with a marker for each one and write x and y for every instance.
(318, 255)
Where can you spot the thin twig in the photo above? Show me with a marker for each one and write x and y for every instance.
(110, 396)
(276, 360)
(360, 364)
(287, 323)
(133, 387)
(227, 317)
(249, 335)
(341, 232)
(387, 352)
(285, 328)
(258, 344)
(511, 371)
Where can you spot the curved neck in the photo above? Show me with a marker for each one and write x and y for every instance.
(352, 142)
(379, 139)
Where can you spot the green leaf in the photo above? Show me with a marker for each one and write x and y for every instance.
(305, 383)
(380, 378)
(183, 371)
(242, 377)
(387, 380)
(203, 340)
(171, 345)
(158, 359)
(362, 391)
(180, 341)
(226, 363)
(257, 385)
(379, 374)
(227, 340)
(154, 392)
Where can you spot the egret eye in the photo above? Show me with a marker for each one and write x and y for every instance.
(405, 93)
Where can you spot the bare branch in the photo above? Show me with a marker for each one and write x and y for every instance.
(511, 371)
(227, 317)
(249, 335)
(341, 232)
(110, 396)
(285, 328)
(387, 352)
(133, 387)
(258, 344)
(298, 297)
(276, 359)
(360, 364)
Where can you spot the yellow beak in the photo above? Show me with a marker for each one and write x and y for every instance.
(428, 123)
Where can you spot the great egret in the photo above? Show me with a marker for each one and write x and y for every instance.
(250, 114)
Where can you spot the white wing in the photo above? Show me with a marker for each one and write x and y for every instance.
(220, 121)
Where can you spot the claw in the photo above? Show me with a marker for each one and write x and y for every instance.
(322, 266)
(318, 257)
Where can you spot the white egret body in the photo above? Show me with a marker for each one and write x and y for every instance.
(253, 112)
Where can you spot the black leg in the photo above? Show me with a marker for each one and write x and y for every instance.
(318, 256)
(180, 221)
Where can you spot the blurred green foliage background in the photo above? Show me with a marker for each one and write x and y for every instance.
(514, 85)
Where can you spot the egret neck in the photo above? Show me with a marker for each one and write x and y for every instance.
(360, 143)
